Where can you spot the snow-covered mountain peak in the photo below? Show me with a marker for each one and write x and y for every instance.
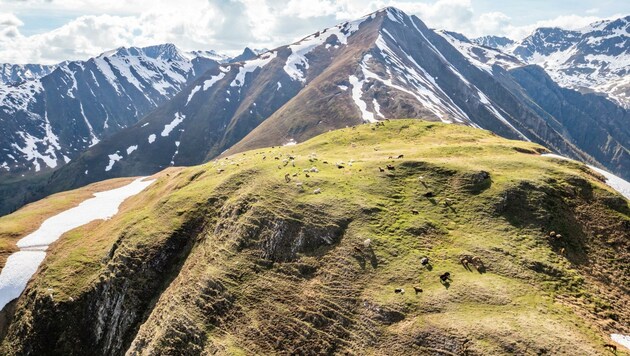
(595, 58)
(480, 55)
(499, 42)
(51, 118)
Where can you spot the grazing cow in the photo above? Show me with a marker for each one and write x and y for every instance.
(340, 166)
(414, 212)
(381, 169)
(446, 276)
(317, 191)
(428, 195)
(465, 260)
(417, 290)
(424, 261)
(367, 243)
(307, 175)
(399, 291)
(477, 262)
(357, 249)
(401, 156)
(390, 167)
(287, 178)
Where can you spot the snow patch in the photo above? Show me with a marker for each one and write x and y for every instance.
(210, 82)
(357, 90)
(621, 339)
(179, 118)
(377, 108)
(130, 149)
(192, 93)
(112, 160)
(22, 265)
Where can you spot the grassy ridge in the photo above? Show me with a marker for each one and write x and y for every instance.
(272, 266)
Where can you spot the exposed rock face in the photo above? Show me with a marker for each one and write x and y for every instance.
(105, 317)
(596, 125)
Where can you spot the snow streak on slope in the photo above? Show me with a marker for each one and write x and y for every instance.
(357, 91)
(207, 84)
(411, 75)
(22, 265)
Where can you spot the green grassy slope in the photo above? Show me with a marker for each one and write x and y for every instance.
(230, 258)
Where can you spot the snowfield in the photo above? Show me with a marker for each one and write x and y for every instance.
(22, 265)
(621, 339)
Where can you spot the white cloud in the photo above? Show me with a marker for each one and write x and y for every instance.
(223, 25)
(569, 22)
(9, 19)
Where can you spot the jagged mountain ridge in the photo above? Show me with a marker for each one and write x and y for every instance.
(47, 121)
(595, 58)
(499, 42)
(396, 85)
(234, 92)
(385, 65)
(16, 73)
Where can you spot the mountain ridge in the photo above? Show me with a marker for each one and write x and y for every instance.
(230, 257)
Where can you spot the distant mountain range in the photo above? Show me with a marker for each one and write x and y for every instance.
(16, 73)
(386, 65)
(595, 58)
(50, 114)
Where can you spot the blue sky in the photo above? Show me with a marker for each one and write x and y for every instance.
(48, 31)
